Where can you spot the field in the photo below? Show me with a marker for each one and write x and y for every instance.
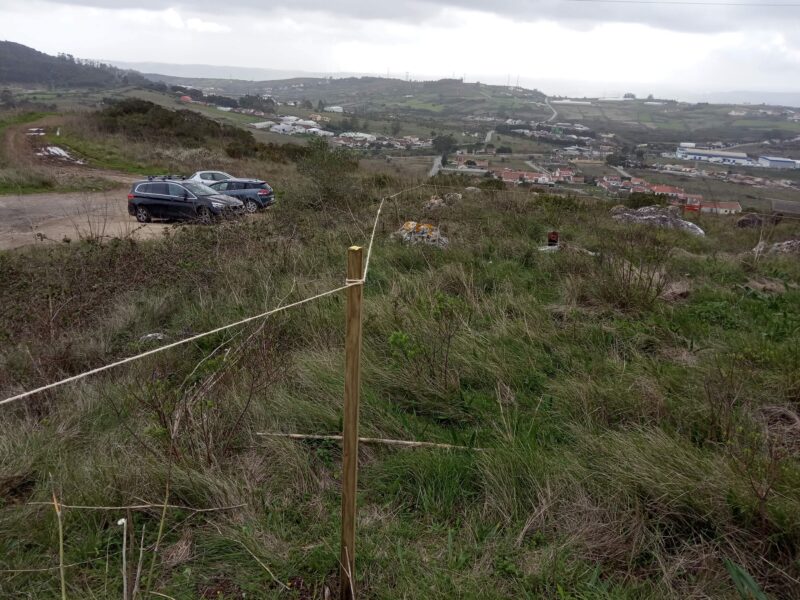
(613, 420)
(675, 122)
(756, 198)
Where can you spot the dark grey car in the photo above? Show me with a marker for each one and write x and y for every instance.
(177, 199)
(255, 193)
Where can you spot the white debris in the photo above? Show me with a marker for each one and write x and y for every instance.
(153, 337)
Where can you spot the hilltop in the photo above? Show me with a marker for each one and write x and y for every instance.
(23, 65)
(450, 96)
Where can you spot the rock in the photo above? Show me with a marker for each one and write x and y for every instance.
(752, 220)
(676, 290)
(434, 203)
(452, 197)
(787, 247)
(655, 216)
(766, 286)
(421, 233)
(153, 337)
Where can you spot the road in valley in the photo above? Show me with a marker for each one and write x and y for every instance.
(622, 172)
(554, 116)
(437, 166)
(488, 137)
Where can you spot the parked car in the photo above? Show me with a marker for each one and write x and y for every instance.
(209, 176)
(178, 199)
(255, 193)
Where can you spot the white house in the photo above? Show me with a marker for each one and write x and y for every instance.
(263, 124)
(721, 208)
(319, 132)
(334, 109)
(284, 128)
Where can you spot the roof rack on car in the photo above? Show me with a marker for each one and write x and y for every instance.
(166, 177)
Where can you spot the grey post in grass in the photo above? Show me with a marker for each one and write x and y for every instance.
(352, 390)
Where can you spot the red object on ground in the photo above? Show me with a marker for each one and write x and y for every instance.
(552, 238)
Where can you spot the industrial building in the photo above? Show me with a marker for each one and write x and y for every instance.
(777, 162)
(686, 152)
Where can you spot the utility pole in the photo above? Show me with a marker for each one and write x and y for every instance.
(352, 392)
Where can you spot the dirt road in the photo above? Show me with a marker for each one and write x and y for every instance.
(49, 218)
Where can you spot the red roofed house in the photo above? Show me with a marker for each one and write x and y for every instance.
(667, 190)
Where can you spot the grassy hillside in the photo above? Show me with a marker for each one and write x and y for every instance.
(619, 444)
(24, 65)
(378, 94)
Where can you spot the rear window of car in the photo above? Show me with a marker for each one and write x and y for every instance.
(256, 185)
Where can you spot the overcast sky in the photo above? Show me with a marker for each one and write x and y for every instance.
(609, 46)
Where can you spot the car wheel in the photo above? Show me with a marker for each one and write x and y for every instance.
(204, 215)
(142, 214)
(251, 206)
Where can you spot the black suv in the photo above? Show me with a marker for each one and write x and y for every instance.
(255, 193)
(166, 198)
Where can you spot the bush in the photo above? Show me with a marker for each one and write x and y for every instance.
(328, 175)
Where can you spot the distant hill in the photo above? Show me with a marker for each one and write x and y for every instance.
(23, 65)
(223, 72)
(379, 94)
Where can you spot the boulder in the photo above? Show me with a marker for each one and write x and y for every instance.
(751, 220)
(421, 233)
(452, 197)
(655, 216)
(766, 286)
(787, 247)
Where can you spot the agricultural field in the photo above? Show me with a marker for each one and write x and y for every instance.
(674, 122)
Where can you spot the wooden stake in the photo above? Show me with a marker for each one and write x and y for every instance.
(352, 391)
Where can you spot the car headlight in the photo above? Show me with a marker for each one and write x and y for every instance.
(217, 205)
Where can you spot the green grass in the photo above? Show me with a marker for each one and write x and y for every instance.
(618, 445)
(105, 154)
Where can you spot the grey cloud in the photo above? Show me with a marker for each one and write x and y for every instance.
(701, 18)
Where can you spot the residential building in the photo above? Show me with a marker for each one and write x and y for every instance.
(721, 208)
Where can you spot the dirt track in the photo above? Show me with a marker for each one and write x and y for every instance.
(49, 218)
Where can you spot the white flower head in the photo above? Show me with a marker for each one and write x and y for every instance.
(121, 522)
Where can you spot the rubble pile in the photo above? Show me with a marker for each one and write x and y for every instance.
(655, 216)
(421, 233)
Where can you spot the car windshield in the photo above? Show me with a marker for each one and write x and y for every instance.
(198, 189)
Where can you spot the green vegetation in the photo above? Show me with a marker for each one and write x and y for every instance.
(632, 447)
(20, 64)
(626, 416)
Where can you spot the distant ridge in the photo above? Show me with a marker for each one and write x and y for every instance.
(201, 71)
(23, 65)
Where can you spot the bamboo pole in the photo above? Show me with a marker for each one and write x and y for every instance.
(352, 390)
